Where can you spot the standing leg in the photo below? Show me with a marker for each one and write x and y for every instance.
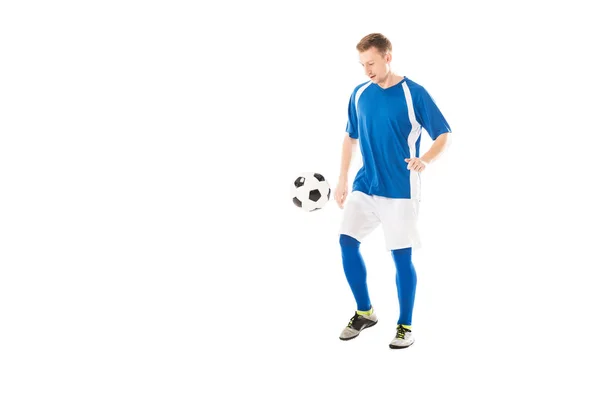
(406, 283)
(399, 219)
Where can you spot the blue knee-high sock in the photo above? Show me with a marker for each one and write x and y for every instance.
(356, 272)
(406, 283)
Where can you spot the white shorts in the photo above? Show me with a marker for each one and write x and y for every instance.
(398, 218)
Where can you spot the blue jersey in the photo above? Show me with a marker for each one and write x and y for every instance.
(387, 123)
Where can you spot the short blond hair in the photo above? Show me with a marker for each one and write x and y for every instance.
(377, 40)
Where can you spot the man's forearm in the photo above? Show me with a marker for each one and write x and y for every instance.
(347, 152)
(437, 148)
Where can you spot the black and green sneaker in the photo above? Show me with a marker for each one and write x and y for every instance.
(361, 320)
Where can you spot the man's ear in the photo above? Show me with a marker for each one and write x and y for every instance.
(388, 57)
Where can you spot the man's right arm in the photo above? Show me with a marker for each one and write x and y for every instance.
(348, 148)
(341, 191)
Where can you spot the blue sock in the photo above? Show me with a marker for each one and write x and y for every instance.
(406, 283)
(356, 272)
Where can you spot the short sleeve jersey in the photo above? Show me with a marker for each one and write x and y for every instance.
(388, 124)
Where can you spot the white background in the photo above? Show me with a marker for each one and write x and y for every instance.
(149, 248)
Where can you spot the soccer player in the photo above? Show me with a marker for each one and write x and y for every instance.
(385, 116)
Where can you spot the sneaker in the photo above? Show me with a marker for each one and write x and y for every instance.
(403, 339)
(358, 323)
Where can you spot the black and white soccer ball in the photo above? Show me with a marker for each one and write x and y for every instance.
(310, 191)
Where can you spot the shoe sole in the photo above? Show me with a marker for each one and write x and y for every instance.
(366, 327)
(400, 347)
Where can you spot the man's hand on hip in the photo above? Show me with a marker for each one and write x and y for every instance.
(415, 164)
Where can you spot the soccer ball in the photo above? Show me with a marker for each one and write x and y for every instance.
(310, 191)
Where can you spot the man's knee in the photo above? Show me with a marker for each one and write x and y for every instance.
(407, 251)
(348, 241)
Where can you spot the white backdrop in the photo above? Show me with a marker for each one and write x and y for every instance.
(149, 248)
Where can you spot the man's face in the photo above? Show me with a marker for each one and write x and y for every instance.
(375, 65)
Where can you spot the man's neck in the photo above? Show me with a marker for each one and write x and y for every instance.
(391, 80)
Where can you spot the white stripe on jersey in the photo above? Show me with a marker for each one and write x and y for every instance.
(358, 93)
(415, 132)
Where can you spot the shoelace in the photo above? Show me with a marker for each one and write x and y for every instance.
(400, 331)
(352, 320)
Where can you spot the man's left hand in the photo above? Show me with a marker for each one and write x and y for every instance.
(415, 164)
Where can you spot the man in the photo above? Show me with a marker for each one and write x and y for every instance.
(385, 115)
